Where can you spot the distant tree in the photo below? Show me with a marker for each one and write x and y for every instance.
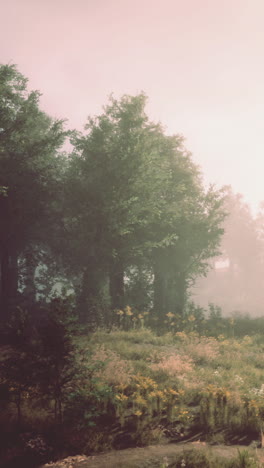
(239, 285)
(193, 238)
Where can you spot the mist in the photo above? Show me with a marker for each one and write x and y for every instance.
(235, 278)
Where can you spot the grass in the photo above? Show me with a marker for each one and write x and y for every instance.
(134, 388)
(219, 379)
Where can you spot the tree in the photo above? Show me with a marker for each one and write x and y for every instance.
(29, 172)
(193, 236)
(109, 191)
(237, 285)
(136, 203)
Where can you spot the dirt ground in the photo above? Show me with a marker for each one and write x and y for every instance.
(147, 457)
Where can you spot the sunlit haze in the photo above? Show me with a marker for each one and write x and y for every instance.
(200, 63)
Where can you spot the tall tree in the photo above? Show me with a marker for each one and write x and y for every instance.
(29, 168)
(136, 203)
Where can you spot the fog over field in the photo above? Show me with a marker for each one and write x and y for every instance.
(200, 64)
(132, 233)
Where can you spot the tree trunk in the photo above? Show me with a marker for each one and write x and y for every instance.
(9, 280)
(116, 285)
(4, 284)
(159, 297)
(29, 280)
(18, 405)
(89, 301)
(181, 293)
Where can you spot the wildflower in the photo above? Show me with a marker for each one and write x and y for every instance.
(139, 400)
(120, 312)
(181, 335)
(138, 413)
(128, 311)
(191, 318)
(121, 397)
(169, 315)
(238, 379)
(140, 316)
(221, 337)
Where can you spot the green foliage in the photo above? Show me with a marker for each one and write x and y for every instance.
(125, 224)
(30, 174)
(136, 211)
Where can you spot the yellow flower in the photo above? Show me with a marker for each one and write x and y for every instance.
(138, 413)
(181, 335)
(119, 312)
(121, 397)
(172, 391)
(169, 315)
(140, 316)
(139, 400)
(121, 386)
(221, 337)
(128, 311)
(191, 318)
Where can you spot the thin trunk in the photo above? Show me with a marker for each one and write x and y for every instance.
(56, 409)
(29, 281)
(181, 293)
(159, 298)
(4, 284)
(90, 295)
(13, 274)
(9, 280)
(116, 285)
(18, 405)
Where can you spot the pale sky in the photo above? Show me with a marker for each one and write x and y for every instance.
(201, 62)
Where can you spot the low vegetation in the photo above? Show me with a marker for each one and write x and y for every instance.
(67, 392)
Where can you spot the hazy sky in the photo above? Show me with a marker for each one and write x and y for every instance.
(201, 62)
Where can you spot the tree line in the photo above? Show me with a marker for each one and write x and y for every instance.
(121, 219)
(237, 286)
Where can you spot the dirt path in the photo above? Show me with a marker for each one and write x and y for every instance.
(147, 457)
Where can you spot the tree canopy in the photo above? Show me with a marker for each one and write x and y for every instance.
(125, 210)
(29, 172)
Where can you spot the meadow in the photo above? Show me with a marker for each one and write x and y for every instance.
(130, 387)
